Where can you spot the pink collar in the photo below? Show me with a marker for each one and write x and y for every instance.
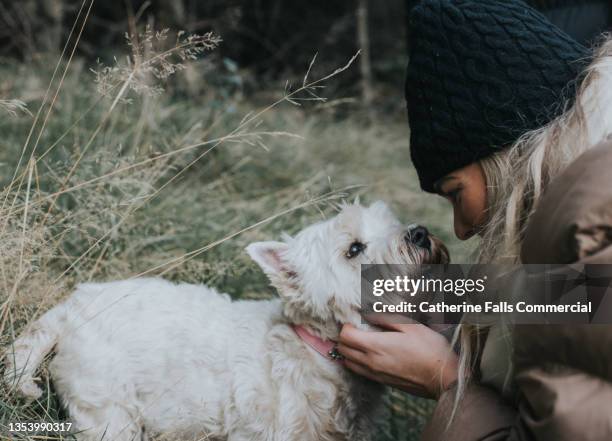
(327, 348)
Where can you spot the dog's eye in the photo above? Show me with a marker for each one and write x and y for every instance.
(355, 249)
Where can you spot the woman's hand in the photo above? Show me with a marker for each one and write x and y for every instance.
(411, 357)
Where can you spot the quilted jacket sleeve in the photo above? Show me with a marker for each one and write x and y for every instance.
(564, 406)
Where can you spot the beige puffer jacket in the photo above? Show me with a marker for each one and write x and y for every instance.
(562, 373)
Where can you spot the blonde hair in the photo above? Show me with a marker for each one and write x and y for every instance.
(518, 176)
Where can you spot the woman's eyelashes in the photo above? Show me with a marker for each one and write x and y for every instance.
(453, 194)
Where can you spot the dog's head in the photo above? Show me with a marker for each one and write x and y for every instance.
(317, 272)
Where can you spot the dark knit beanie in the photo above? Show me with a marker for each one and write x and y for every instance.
(481, 73)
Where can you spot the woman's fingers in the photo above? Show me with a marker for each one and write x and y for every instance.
(393, 322)
(371, 341)
(356, 338)
(414, 357)
(352, 354)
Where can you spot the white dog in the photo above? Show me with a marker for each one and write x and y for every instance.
(146, 356)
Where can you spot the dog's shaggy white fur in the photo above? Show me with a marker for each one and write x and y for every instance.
(147, 356)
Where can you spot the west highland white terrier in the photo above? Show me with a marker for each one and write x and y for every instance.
(147, 356)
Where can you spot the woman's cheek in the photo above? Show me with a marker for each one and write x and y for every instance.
(473, 206)
(462, 226)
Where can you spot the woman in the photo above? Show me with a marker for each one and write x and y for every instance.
(509, 119)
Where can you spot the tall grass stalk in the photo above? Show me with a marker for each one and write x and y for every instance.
(124, 176)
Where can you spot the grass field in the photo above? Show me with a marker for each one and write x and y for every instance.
(177, 182)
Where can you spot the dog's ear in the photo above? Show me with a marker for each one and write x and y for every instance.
(269, 256)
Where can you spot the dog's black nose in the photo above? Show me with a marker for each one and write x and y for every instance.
(418, 236)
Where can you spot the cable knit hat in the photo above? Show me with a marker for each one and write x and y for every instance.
(482, 73)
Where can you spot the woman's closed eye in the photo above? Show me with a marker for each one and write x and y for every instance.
(466, 191)
(453, 195)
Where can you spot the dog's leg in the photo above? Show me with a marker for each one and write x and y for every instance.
(113, 422)
(24, 356)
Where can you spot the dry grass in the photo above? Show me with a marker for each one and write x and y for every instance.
(124, 171)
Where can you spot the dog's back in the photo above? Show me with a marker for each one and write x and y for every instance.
(134, 352)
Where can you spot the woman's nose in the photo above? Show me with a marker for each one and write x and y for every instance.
(463, 231)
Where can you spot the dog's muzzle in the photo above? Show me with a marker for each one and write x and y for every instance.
(419, 236)
(435, 251)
